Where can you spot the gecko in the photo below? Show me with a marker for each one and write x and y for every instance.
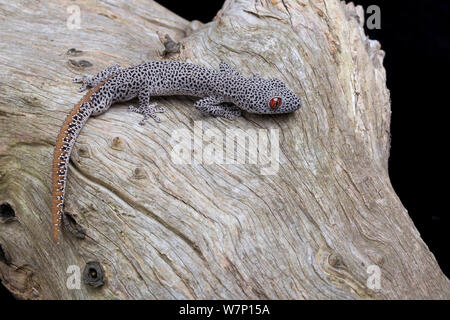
(224, 93)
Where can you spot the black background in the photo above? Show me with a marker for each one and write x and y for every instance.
(415, 37)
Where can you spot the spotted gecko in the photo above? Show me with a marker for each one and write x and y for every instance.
(225, 93)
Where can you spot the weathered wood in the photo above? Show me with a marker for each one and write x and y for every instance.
(162, 230)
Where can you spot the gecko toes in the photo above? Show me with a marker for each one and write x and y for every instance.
(149, 111)
(133, 109)
(156, 118)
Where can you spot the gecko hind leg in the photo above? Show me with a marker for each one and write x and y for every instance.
(91, 81)
(148, 111)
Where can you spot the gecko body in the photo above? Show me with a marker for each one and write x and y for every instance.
(224, 92)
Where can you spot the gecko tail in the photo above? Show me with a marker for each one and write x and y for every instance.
(61, 156)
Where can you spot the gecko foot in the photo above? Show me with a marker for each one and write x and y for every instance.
(77, 79)
(231, 111)
(232, 114)
(86, 81)
(148, 111)
(227, 111)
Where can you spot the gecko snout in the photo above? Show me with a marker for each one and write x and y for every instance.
(295, 104)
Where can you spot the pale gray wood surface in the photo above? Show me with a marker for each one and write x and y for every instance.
(166, 231)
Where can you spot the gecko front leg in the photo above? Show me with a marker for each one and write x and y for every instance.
(92, 81)
(217, 108)
(147, 109)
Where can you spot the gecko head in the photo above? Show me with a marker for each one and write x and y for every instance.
(270, 97)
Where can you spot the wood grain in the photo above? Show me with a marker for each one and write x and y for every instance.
(163, 230)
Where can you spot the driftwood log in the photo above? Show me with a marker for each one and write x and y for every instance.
(312, 229)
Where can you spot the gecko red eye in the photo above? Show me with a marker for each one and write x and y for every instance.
(275, 103)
